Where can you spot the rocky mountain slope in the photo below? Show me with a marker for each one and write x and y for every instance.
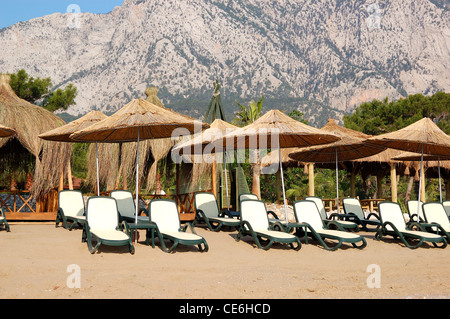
(323, 57)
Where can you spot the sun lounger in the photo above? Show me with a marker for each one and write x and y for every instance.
(207, 211)
(446, 205)
(255, 222)
(127, 207)
(71, 210)
(306, 212)
(164, 214)
(3, 220)
(354, 212)
(411, 205)
(336, 219)
(102, 224)
(436, 220)
(393, 224)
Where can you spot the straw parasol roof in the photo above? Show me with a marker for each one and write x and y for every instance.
(291, 133)
(62, 134)
(422, 135)
(138, 116)
(6, 131)
(29, 121)
(198, 143)
(349, 147)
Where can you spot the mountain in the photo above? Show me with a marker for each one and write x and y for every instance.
(323, 57)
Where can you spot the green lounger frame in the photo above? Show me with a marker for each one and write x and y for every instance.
(255, 223)
(164, 215)
(3, 220)
(127, 207)
(411, 206)
(71, 210)
(207, 211)
(354, 212)
(335, 219)
(393, 224)
(307, 213)
(436, 220)
(102, 225)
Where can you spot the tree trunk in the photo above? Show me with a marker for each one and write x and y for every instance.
(409, 188)
(256, 170)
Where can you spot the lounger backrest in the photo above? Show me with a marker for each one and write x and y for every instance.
(306, 211)
(446, 205)
(125, 203)
(319, 204)
(254, 212)
(412, 209)
(435, 213)
(165, 214)
(247, 197)
(206, 202)
(352, 205)
(72, 203)
(102, 213)
(391, 212)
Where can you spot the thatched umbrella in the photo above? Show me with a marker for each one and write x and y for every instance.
(62, 134)
(423, 137)
(6, 131)
(138, 120)
(29, 120)
(284, 132)
(411, 156)
(351, 146)
(202, 142)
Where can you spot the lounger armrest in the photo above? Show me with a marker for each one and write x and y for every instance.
(226, 213)
(351, 216)
(269, 212)
(185, 227)
(245, 223)
(374, 215)
(277, 223)
(333, 222)
(390, 224)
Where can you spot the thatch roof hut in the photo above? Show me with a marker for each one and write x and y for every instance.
(29, 121)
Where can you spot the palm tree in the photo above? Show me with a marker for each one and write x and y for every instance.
(215, 106)
(244, 117)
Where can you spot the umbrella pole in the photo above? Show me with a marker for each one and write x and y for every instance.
(420, 186)
(282, 185)
(96, 160)
(226, 180)
(440, 185)
(137, 187)
(337, 183)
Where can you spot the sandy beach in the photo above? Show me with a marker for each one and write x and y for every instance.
(36, 261)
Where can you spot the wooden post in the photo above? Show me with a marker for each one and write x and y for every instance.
(61, 181)
(69, 175)
(311, 186)
(214, 178)
(393, 183)
(278, 188)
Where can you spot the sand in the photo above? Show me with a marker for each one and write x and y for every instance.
(35, 261)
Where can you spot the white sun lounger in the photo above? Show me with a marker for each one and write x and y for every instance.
(393, 224)
(411, 205)
(306, 212)
(102, 224)
(71, 209)
(127, 207)
(436, 219)
(335, 218)
(255, 222)
(164, 214)
(207, 211)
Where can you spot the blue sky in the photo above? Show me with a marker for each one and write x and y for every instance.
(13, 11)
